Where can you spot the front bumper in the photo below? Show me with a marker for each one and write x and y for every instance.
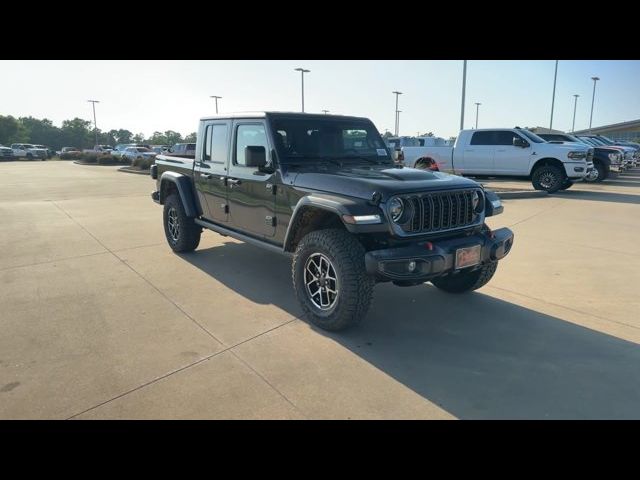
(392, 263)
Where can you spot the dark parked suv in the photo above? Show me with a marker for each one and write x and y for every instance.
(324, 189)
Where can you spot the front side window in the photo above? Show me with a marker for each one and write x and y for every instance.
(249, 136)
(505, 138)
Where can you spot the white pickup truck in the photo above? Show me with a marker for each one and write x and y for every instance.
(505, 152)
(29, 151)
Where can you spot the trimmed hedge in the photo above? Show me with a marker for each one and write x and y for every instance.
(143, 163)
(94, 157)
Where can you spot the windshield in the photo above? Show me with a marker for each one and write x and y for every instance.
(532, 136)
(606, 140)
(311, 138)
(142, 149)
(590, 141)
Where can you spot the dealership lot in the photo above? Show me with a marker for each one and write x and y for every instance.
(99, 319)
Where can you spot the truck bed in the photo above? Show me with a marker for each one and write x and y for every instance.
(182, 164)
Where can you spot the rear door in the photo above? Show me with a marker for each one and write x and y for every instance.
(251, 193)
(508, 159)
(210, 172)
(478, 155)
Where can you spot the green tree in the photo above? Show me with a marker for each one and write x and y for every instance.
(172, 137)
(9, 130)
(158, 138)
(138, 138)
(191, 138)
(41, 132)
(122, 136)
(77, 133)
(387, 134)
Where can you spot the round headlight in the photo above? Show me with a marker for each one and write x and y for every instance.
(396, 207)
(477, 201)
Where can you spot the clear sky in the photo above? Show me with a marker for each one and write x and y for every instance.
(145, 96)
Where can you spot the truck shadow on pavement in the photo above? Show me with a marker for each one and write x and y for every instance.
(473, 355)
(597, 196)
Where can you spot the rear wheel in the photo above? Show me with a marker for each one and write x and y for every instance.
(548, 178)
(466, 281)
(183, 234)
(566, 184)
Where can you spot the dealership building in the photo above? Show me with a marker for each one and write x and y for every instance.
(625, 131)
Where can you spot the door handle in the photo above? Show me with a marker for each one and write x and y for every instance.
(233, 181)
(205, 175)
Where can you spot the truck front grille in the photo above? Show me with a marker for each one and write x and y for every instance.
(434, 212)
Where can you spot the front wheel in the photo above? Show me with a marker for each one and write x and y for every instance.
(183, 234)
(330, 279)
(466, 281)
(548, 178)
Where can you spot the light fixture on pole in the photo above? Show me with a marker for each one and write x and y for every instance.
(302, 72)
(575, 105)
(595, 79)
(397, 112)
(216, 97)
(95, 124)
(325, 111)
(477, 109)
(553, 97)
(464, 86)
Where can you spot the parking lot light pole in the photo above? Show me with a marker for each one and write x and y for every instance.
(595, 79)
(464, 86)
(216, 99)
(325, 111)
(302, 72)
(575, 105)
(95, 125)
(397, 94)
(477, 109)
(553, 96)
(398, 123)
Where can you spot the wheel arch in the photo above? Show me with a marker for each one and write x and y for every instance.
(312, 214)
(543, 162)
(175, 182)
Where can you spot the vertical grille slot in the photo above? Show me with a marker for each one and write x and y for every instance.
(441, 211)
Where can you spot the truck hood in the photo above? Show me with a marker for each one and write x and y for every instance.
(559, 149)
(361, 182)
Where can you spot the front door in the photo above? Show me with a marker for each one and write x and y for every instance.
(251, 192)
(509, 159)
(211, 170)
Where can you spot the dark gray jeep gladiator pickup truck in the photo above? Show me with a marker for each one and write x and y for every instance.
(324, 189)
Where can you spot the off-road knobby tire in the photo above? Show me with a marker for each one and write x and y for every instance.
(355, 288)
(540, 171)
(466, 281)
(189, 234)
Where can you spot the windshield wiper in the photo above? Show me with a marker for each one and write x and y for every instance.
(360, 157)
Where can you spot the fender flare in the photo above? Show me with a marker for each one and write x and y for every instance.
(321, 203)
(185, 190)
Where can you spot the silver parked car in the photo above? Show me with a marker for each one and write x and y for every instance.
(132, 153)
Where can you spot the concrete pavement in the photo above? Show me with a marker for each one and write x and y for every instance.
(99, 319)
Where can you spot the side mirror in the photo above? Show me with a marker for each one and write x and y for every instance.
(519, 142)
(255, 156)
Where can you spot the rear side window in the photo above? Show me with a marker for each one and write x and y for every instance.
(482, 138)
(207, 144)
(219, 144)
